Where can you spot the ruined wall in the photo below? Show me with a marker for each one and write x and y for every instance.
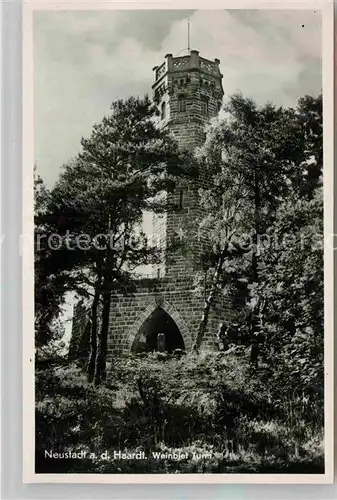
(80, 333)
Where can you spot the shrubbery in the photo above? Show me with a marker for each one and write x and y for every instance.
(206, 404)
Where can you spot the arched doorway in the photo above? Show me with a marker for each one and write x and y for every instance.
(159, 321)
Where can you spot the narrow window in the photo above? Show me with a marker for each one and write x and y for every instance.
(163, 110)
(182, 104)
(204, 106)
(181, 199)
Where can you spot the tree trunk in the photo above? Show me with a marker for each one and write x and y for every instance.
(93, 336)
(209, 302)
(102, 347)
(204, 320)
(255, 337)
(257, 228)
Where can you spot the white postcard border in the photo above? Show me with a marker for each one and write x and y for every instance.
(27, 245)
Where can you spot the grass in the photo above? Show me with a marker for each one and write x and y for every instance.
(210, 408)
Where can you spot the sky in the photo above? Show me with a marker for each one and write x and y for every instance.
(84, 60)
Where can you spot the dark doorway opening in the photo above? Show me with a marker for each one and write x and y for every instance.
(159, 322)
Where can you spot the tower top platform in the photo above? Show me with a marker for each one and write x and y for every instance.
(181, 64)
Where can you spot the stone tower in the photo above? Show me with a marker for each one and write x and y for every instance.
(188, 91)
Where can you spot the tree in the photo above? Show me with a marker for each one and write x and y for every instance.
(248, 152)
(49, 288)
(100, 198)
(221, 252)
(309, 116)
(292, 280)
(291, 267)
(258, 157)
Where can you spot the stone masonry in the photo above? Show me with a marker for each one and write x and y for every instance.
(188, 91)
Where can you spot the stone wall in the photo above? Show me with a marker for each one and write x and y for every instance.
(181, 302)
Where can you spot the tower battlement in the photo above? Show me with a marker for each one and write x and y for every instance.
(188, 91)
(192, 62)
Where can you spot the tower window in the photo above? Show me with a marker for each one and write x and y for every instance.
(204, 106)
(181, 103)
(163, 111)
(181, 199)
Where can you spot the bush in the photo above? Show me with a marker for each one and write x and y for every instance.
(209, 406)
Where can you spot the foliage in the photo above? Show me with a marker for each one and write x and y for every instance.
(292, 283)
(227, 413)
(208, 406)
(250, 155)
(49, 287)
(266, 166)
(96, 208)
